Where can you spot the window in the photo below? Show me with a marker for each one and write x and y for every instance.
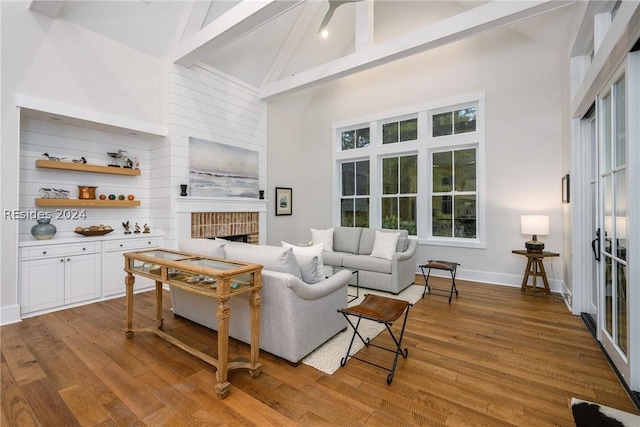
(417, 169)
(355, 138)
(399, 193)
(454, 122)
(400, 131)
(354, 201)
(454, 194)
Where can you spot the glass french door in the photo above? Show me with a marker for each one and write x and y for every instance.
(593, 296)
(612, 224)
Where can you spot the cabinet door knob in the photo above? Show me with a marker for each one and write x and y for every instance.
(84, 249)
(121, 244)
(44, 252)
(61, 259)
(148, 243)
(68, 259)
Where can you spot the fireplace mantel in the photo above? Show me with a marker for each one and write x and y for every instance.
(209, 204)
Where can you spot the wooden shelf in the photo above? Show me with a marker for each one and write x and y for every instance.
(50, 164)
(94, 203)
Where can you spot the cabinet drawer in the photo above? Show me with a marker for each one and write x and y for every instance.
(132, 244)
(49, 251)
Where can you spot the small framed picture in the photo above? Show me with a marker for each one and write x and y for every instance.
(565, 189)
(283, 201)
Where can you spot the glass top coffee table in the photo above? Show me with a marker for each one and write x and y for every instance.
(221, 279)
(330, 270)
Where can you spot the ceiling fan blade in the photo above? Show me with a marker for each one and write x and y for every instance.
(333, 5)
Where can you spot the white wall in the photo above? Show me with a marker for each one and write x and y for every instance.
(59, 62)
(526, 124)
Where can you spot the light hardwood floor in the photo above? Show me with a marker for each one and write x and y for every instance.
(493, 357)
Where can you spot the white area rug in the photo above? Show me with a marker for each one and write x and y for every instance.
(326, 358)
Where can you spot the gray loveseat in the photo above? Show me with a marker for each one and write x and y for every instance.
(296, 317)
(352, 248)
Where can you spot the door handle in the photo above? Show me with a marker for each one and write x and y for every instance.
(595, 246)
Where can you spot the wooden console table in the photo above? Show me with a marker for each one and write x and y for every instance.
(535, 269)
(211, 277)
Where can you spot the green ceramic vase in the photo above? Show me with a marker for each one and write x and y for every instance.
(43, 230)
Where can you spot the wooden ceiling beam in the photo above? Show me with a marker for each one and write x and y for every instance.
(467, 24)
(238, 21)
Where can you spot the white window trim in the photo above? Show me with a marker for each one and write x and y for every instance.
(423, 146)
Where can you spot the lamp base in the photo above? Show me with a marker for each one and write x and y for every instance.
(534, 246)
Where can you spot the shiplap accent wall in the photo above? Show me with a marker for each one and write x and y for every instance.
(206, 104)
(201, 102)
(38, 136)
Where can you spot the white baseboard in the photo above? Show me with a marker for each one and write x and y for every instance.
(9, 314)
(497, 278)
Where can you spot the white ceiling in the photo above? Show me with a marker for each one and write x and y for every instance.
(274, 45)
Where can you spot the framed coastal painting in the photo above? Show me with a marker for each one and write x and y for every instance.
(283, 201)
(222, 170)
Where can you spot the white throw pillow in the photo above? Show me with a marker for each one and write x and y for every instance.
(309, 269)
(324, 237)
(306, 252)
(385, 245)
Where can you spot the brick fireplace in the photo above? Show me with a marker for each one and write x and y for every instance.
(226, 224)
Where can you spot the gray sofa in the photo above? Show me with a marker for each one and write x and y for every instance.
(295, 318)
(352, 248)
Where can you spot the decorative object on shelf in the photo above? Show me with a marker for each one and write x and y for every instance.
(146, 228)
(43, 230)
(121, 197)
(126, 227)
(61, 193)
(261, 194)
(103, 197)
(94, 230)
(52, 158)
(534, 225)
(131, 197)
(137, 229)
(116, 158)
(566, 193)
(46, 192)
(128, 163)
(283, 201)
(94, 233)
(112, 196)
(183, 190)
(136, 163)
(81, 161)
(86, 192)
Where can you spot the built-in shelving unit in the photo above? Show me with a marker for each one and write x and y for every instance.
(93, 203)
(83, 167)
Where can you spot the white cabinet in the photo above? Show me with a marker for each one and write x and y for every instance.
(72, 271)
(113, 268)
(55, 275)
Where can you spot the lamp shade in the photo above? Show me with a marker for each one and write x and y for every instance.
(534, 225)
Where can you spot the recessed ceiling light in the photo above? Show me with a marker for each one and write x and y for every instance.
(324, 34)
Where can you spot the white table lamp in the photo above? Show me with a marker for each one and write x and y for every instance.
(535, 225)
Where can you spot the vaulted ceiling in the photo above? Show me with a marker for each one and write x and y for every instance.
(275, 45)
